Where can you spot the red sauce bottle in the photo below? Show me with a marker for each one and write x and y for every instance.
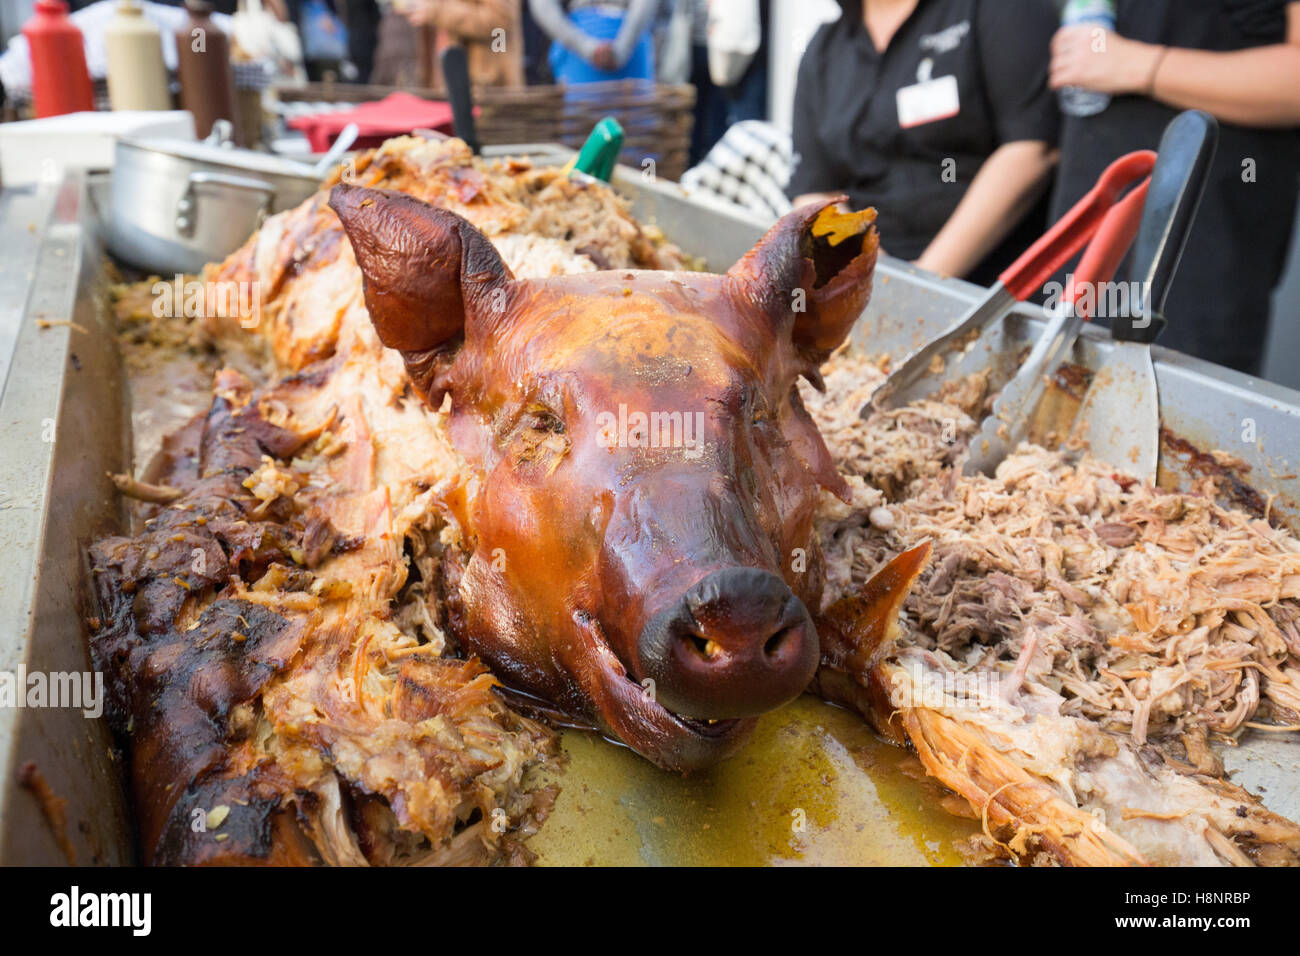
(60, 80)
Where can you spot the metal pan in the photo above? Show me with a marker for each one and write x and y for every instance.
(178, 205)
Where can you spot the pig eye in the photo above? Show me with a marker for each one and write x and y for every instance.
(537, 437)
(544, 420)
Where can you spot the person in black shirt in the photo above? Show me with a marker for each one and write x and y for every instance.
(1240, 61)
(937, 113)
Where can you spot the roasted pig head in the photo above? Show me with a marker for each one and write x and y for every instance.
(637, 520)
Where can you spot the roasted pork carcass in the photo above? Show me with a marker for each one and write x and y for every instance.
(271, 629)
(279, 630)
(634, 541)
(292, 677)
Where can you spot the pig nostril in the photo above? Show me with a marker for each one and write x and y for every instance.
(704, 647)
(777, 641)
(736, 645)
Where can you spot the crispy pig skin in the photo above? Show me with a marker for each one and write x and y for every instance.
(176, 685)
(190, 681)
(234, 643)
(341, 730)
(598, 537)
(857, 637)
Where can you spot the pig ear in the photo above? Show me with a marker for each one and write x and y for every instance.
(815, 264)
(425, 270)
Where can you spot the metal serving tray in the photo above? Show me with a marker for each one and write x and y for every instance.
(64, 425)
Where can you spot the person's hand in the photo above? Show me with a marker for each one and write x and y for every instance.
(602, 58)
(1102, 60)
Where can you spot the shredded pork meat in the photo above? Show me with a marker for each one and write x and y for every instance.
(1117, 629)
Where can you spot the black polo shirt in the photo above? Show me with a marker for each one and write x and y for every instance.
(849, 136)
(1219, 304)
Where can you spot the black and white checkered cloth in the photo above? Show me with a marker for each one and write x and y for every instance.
(748, 167)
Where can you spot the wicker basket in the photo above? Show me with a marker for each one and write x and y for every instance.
(656, 118)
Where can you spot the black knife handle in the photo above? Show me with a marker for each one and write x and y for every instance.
(455, 73)
(1177, 183)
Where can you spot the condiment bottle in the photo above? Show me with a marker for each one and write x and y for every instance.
(60, 80)
(203, 65)
(137, 77)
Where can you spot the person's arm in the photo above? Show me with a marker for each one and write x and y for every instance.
(1012, 36)
(1259, 86)
(550, 16)
(1002, 192)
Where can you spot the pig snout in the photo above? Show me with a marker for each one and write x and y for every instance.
(737, 644)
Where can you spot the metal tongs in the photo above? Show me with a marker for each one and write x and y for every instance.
(1007, 425)
(923, 372)
(1120, 416)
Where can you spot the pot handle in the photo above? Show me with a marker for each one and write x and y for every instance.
(185, 207)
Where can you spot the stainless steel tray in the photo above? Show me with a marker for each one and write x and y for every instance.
(64, 424)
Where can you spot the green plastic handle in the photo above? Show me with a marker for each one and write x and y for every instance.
(600, 152)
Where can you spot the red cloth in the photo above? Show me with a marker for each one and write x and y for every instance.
(395, 115)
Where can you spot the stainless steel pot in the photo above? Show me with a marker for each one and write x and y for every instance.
(178, 205)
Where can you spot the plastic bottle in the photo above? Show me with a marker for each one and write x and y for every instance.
(1078, 100)
(60, 80)
(137, 78)
(203, 65)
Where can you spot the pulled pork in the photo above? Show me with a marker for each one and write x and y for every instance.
(1078, 638)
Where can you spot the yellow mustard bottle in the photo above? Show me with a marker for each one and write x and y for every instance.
(137, 76)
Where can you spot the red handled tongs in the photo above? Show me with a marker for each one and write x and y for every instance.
(1007, 425)
(1099, 220)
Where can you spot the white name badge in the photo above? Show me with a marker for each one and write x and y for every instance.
(928, 102)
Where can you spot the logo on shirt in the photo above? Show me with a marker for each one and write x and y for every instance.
(947, 39)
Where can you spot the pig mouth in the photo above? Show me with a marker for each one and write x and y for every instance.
(706, 728)
(669, 740)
